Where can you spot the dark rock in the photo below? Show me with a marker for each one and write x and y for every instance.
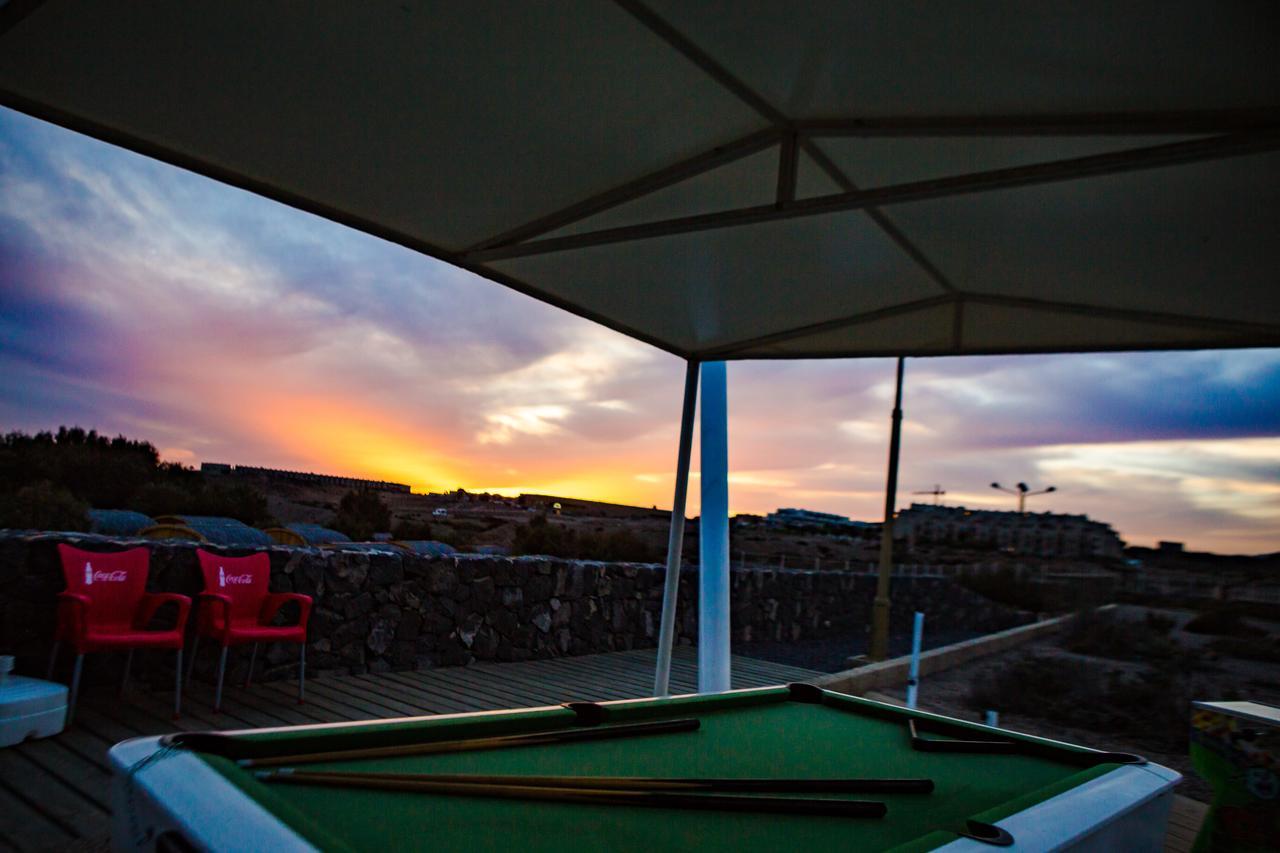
(409, 626)
(469, 628)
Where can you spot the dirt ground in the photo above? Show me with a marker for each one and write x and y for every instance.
(1221, 677)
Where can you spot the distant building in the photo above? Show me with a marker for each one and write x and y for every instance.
(1043, 534)
(1170, 547)
(223, 469)
(810, 519)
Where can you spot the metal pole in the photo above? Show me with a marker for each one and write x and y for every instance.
(913, 675)
(713, 536)
(880, 609)
(675, 538)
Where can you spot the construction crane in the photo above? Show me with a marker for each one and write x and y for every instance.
(936, 492)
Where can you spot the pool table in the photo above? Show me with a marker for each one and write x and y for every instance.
(990, 787)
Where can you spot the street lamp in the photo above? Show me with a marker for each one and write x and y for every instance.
(1023, 492)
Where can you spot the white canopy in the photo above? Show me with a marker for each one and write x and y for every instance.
(745, 180)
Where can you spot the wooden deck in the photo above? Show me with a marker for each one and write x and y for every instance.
(55, 793)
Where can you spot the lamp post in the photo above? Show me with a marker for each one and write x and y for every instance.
(1023, 491)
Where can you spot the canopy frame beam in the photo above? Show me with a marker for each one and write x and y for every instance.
(739, 349)
(805, 131)
(1053, 171)
(1144, 123)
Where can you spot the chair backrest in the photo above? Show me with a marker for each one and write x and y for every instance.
(242, 579)
(114, 582)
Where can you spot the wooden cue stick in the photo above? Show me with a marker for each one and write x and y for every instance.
(594, 796)
(649, 783)
(471, 744)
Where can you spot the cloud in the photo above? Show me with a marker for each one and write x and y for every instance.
(139, 298)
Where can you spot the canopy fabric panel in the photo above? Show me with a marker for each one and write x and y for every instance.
(759, 180)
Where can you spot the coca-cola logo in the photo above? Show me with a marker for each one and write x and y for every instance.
(113, 577)
(239, 578)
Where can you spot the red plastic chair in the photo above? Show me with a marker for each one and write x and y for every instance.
(236, 608)
(106, 608)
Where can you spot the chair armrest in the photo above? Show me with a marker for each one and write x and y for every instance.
(275, 600)
(72, 607)
(214, 600)
(153, 601)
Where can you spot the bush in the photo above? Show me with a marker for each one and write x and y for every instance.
(190, 496)
(1106, 635)
(412, 531)
(362, 514)
(1151, 707)
(541, 536)
(1267, 651)
(1223, 622)
(1004, 587)
(43, 506)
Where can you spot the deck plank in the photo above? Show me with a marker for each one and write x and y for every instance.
(1185, 819)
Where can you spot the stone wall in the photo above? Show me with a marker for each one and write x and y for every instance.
(378, 611)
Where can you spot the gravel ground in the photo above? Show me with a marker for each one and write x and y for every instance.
(832, 654)
(949, 693)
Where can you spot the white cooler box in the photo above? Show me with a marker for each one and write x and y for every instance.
(30, 708)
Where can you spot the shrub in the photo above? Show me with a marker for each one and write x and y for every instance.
(412, 530)
(541, 536)
(1005, 587)
(43, 506)
(1223, 622)
(1150, 706)
(1248, 649)
(1106, 635)
(361, 514)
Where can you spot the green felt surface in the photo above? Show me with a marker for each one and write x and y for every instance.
(759, 735)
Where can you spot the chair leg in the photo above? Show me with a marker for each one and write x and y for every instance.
(75, 688)
(128, 664)
(302, 672)
(177, 686)
(222, 669)
(191, 665)
(53, 659)
(253, 657)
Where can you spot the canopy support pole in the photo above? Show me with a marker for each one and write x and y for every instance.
(713, 533)
(675, 539)
(880, 609)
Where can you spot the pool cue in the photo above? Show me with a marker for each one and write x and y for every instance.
(649, 783)
(474, 744)
(595, 796)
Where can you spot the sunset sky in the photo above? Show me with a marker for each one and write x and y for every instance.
(141, 299)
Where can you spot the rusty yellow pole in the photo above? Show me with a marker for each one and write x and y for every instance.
(880, 609)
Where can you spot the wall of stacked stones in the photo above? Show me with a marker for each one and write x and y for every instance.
(382, 611)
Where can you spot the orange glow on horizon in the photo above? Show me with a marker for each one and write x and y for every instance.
(326, 436)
